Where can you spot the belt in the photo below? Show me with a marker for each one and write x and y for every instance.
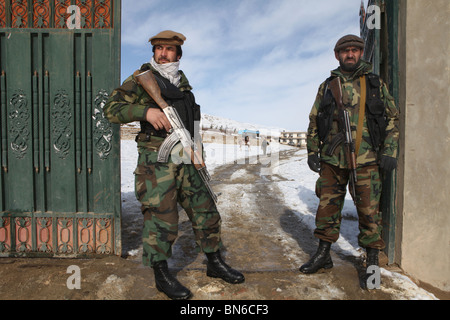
(147, 136)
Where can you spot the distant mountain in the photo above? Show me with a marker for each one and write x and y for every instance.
(214, 122)
(217, 123)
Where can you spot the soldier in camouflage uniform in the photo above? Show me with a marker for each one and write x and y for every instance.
(160, 187)
(376, 150)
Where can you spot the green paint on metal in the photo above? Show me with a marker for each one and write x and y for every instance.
(60, 158)
(381, 51)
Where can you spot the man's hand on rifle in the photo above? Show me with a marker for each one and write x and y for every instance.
(158, 119)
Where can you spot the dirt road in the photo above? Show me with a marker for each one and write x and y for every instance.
(262, 238)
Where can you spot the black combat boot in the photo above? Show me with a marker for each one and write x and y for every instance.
(372, 260)
(168, 284)
(217, 268)
(321, 259)
(372, 257)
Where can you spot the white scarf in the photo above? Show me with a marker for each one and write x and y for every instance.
(168, 71)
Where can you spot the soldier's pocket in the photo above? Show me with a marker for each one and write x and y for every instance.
(318, 187)
(146, 186)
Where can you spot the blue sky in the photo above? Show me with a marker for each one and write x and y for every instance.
(255, 61)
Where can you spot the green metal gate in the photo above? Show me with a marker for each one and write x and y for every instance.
(382, 51)
(60, 157)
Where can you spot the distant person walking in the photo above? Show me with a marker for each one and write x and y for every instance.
(264, 145)
(247, 142)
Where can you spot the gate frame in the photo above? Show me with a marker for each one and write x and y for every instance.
(383, 54)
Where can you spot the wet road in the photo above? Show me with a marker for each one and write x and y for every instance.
(263, 239)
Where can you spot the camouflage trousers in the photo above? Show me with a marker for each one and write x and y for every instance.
(160, 187)
(331, 190)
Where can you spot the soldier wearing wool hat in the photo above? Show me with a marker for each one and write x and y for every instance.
(373, 120)
(354, 46)
(349, 40)
(161, 187)
(168, 37)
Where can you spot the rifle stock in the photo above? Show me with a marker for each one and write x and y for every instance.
(349, 143)
(147, 80)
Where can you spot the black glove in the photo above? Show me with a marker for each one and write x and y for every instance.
(388, 163)
(314, 162)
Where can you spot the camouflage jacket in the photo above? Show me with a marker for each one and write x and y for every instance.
(351, 99)
(130, 102)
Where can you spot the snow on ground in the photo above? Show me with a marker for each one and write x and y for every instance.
(300, 196)
(297, 184)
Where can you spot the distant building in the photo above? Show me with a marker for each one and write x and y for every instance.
(293, 138)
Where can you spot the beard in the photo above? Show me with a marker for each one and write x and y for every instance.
(349, 66)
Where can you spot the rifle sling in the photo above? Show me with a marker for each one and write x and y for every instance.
(362, 111)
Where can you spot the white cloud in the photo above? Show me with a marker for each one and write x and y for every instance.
(251, 60)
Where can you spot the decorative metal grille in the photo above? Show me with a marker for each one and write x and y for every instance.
(56, 235)
(20, 119)
(2, 14)
(102, 127)
(41, 17)
(94, 14)
(62, 115)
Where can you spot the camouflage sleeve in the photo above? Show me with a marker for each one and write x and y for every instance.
(390, 147)
(124, 105)
(312, 139)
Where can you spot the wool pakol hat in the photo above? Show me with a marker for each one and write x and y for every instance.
(349, 40)
(168, 37)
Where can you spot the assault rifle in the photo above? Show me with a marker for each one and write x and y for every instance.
(178, 133)
(345, 135)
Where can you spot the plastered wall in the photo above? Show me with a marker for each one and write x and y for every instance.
(424, 172)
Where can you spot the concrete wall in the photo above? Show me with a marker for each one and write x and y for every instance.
(424, 172)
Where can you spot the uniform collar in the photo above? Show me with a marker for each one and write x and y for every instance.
(364, 68)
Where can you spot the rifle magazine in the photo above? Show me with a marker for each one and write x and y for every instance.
(166, 148)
